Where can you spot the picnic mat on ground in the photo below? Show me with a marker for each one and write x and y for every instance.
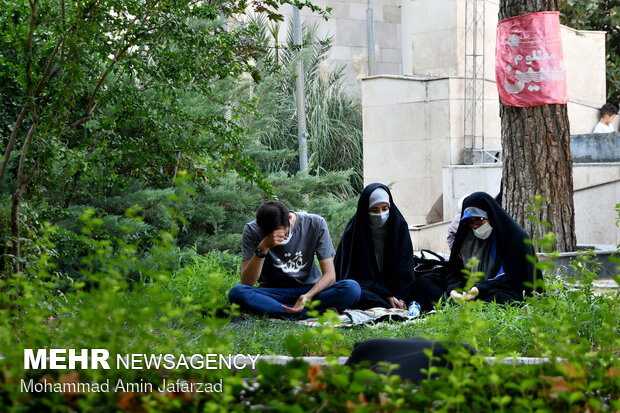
(370, 318)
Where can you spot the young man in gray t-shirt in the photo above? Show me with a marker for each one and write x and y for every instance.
(278, 252)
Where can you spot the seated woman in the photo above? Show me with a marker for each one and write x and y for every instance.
(375, 250)
(486, 232)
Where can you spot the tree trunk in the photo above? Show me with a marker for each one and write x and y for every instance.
(22, 183)
(536, 155)
(16, 251)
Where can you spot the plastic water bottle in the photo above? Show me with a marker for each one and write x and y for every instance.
(414, 309)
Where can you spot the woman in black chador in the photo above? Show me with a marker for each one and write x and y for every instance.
(375, 250)
(488, 233)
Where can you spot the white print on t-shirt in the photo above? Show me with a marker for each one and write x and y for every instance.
(292, 265)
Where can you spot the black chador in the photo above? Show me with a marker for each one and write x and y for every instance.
(381, 270)
(508, 275)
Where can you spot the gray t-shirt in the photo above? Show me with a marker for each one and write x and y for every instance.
(291, 265)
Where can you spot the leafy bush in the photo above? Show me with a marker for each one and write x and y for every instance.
(165, 316)
(334, 113)
(214, 216)
(172, 311)
(212, 274)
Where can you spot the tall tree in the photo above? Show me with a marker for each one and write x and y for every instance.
(537, 158)
(334, 115)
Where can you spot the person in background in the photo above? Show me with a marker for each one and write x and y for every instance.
(278, 251)
(608, 113)
(487, 233)
(454, 225)
(376, 251)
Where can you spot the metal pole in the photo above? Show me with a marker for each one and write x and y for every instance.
(302, 134)
(474, 52)
(370, 37)
(228, 113)
(483, 58)
(407, 10)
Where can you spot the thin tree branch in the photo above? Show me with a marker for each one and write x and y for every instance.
(9, 147)
(146, 84)
(117, 57)
(46, 73)
(77, 123)
(31, 172)
(107, 71)
(22, 159)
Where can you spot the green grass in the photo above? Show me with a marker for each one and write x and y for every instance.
(530, 329)
(507, 330)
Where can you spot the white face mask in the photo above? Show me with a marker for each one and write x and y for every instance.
(378, 220)
(483, 231)
(290, 235)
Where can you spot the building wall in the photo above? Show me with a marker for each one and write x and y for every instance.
(595, 214)
(596, 186)
(347, 26)
(413, 125)
(435, 30)
(407, 139)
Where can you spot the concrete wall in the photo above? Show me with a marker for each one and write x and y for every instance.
(432, 237)
(433, 33)
(347, 26)
(595, 215)
(413, 125)
(407, 139)
(461, 180)
(597, 191)
(586, 175)
(595, 147)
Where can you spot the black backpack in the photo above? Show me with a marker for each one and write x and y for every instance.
(434, 263)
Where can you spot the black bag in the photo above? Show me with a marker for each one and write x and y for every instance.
(426, 265)
(410, 354)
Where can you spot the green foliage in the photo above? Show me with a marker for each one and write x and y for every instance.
(214, 217)
(203, 277)
(138, 93)
(172, 312)
(601, 15)
(468, 384)
(32, 244)
(99, 95)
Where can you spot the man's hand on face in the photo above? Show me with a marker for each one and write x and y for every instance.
(299, 305)
(274, 238)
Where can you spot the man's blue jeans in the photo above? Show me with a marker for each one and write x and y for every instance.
(268, 301)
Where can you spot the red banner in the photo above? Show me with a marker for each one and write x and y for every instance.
(529, 63)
